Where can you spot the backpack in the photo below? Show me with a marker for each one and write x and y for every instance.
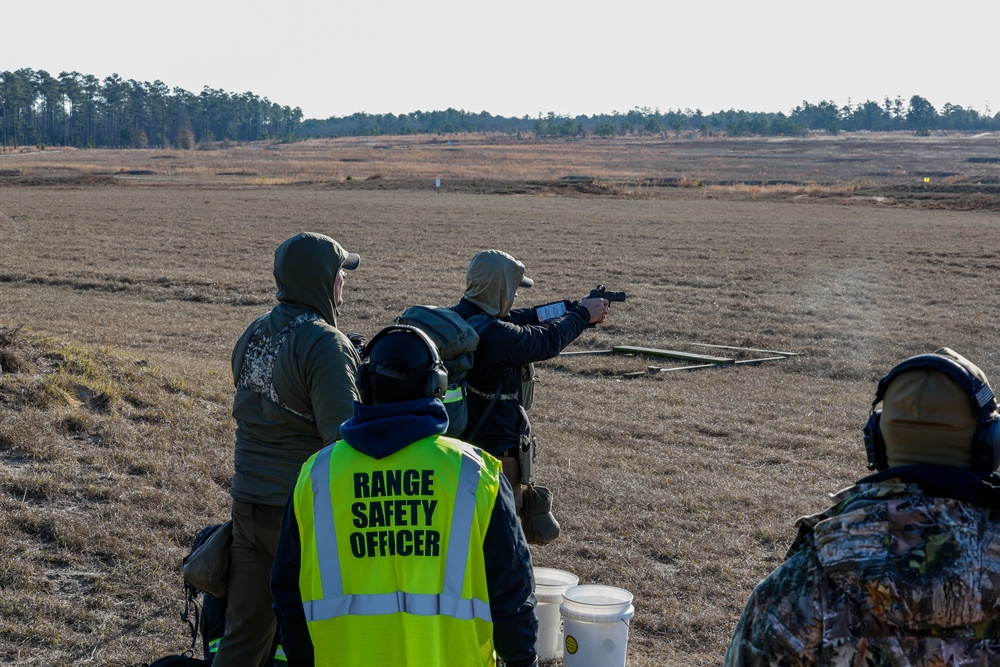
(210, 611)
(205, 614)
(456, 340)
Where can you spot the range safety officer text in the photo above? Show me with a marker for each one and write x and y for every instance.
(383, 514)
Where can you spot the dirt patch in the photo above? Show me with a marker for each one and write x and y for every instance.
(64, 180)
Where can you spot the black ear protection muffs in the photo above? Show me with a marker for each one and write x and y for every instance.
(985, 442)
(389, 343)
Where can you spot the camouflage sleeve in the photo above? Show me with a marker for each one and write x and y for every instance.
(782, 623)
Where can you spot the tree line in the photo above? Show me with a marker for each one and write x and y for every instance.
(83, 111)
(918, 115)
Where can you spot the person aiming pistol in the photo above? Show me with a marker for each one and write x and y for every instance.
(501, 381)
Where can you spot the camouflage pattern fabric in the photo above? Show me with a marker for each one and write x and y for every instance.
(887, 576)
(257, 373)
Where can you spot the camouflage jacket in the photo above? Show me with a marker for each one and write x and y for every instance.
(903, 570)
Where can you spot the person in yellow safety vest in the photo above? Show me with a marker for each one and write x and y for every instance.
(399, 546)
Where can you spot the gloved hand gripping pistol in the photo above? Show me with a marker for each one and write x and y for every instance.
(601, 293)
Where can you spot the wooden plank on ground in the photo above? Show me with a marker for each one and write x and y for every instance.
(653, 369)
(748, 349)
(671, 354)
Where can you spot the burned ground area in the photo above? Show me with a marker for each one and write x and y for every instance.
(960, 171)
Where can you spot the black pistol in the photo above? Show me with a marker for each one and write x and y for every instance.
(601, 293)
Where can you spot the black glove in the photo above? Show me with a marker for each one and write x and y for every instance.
(540, 527)
(358, 341)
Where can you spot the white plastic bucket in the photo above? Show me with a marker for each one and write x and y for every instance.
(595, 625)
(549, 587)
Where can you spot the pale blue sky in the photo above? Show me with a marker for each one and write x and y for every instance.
(523, 57)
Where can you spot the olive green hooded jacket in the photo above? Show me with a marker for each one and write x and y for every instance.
(313, 374)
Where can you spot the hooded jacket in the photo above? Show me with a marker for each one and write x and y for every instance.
(516, 338)
(903, 570)
(313, 375)
(379, 431)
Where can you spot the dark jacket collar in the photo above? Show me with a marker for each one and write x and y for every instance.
(467, 309)
(381, 430)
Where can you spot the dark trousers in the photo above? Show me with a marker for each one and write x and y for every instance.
(250, 621)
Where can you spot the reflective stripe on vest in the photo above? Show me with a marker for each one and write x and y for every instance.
(448, 603)
(453, 395)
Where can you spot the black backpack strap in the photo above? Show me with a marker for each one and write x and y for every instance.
(191, 603)
(482, 418)
(479, 322)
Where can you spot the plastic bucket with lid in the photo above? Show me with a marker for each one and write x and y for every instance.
(595, 625)
(549, 587)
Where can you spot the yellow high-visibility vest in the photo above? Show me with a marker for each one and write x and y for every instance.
(392, 569)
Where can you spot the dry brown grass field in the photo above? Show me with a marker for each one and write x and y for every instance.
(126, 276)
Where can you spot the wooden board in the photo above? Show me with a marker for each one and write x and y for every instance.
(748, 349)
(654, 369)
(672, 354)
